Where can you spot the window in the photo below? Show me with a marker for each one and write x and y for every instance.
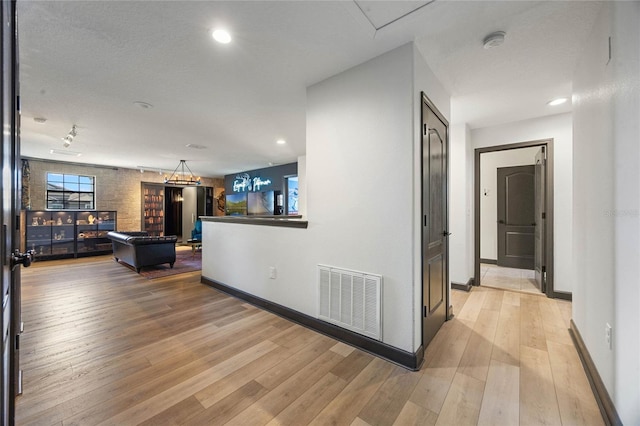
(70, 192)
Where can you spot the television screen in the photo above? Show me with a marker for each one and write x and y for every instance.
(261, 203)
(236, 204)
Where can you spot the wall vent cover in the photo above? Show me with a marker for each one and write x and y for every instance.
(351, 300)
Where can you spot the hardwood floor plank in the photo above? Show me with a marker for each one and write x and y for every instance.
(432, 389)
(462, 404)
(176, 414)
(348, 403)
(477, 355)
(473, 305)
(270, 405)
(553, 322)
(511, 298)
(279, 358)
(352, 365)
(359, 422)
(385, 405)
(458, 299)
(493, 300)
(109, 400)
(224, 410)
(342, 349)
(88, 389)
(501, 397)
(220, 389)
(154, 405)
(538, 402)
(439, 370)
(415, 415)
(531, 326)
(575, 399)
(506, 345)
(306, 407)
(271, 378)
(566, 311)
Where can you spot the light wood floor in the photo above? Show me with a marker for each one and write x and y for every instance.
(499, 277)
(105, 346)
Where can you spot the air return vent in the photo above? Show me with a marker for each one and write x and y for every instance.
(351, 299)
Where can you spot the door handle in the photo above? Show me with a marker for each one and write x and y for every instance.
(23, 259)
(446, 234)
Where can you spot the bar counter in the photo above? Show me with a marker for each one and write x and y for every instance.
(282, 221)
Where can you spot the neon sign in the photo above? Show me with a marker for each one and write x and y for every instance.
(243, 183)
(258, 183)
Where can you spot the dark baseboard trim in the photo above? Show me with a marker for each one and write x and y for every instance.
(411, 361)
(489, 261)
(463, 287)
(607, 409)
(564, 295)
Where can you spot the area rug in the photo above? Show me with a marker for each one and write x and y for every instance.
(185, 262)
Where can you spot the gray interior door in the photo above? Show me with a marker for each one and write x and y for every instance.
(516, 216)
(10, 320)
(189, 210)
(540, 218)
(434, 222)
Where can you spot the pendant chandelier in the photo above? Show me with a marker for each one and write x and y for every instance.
(181, 177)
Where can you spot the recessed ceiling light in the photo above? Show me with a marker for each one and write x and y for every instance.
(557, 101)
(143, 105)
(65, 152)
(493, 40)
(281, 141)
(221, 36)
(40, 120)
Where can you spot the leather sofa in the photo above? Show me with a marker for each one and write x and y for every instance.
(138, 249)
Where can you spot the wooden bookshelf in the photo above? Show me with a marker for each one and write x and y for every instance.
(153, 209)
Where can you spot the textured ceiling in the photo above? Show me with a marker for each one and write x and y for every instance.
(87, 62)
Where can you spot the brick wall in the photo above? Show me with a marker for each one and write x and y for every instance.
(116, 188)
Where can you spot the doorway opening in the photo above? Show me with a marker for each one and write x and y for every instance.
(514, 217)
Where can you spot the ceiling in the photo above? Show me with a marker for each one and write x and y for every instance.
(89, 63)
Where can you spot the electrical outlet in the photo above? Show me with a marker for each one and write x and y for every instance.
(607, 336)
(272, 272)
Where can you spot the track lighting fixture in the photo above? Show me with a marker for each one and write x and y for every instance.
(66, 141)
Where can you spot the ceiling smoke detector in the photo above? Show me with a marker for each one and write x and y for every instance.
(493, 40)
(143, 105)
(195, 146)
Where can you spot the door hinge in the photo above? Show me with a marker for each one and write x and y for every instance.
(19, 390)
(424, 130)
(544, 269)
(544, 215)
(424, 311)
(17, 342)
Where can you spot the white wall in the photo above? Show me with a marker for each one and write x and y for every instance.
(606, 211)
(558, 127)
(460, 213)
(360, 198)
(489, 164)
